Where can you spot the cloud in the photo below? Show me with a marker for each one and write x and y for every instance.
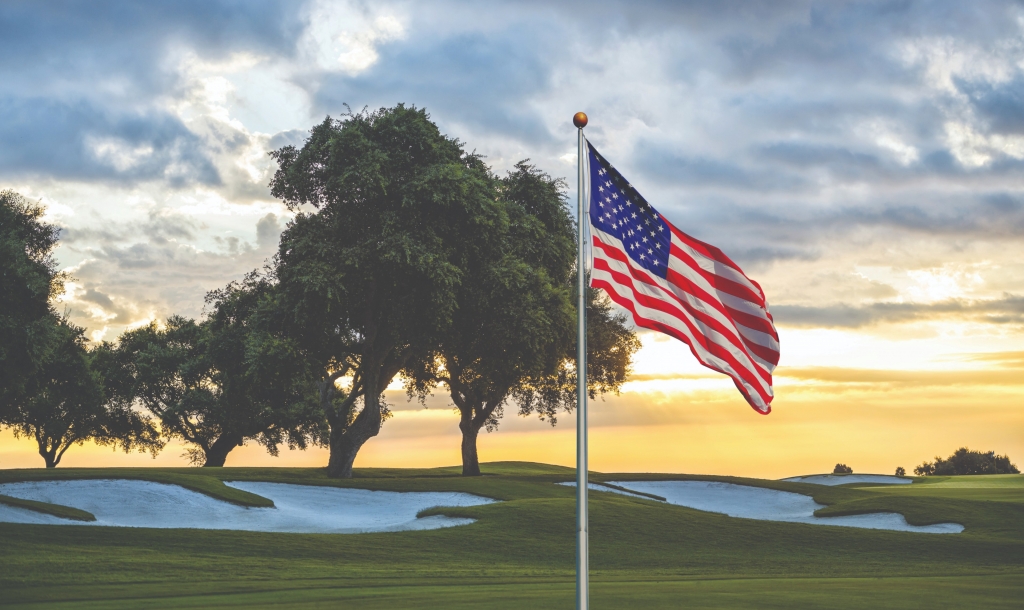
(1007, 310)
(78, 140)
(84, 86)
(843, 375)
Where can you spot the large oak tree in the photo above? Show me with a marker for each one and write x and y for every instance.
(513, 336)
(390, 212)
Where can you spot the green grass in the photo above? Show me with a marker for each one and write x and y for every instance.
(57, 510)
(519, 553)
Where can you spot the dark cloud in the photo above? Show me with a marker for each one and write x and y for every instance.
(483, 80)
(292, 137)
(268, 231)
(160, 226)
(1000, 105)
(1007, 310)
(79, 140)
(82, 83)
(918, 379)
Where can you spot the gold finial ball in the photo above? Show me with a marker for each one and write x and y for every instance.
(579, 120)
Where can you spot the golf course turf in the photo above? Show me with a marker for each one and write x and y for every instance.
(519, 552)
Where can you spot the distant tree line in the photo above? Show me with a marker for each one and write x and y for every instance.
(965, 461)
(407, 259)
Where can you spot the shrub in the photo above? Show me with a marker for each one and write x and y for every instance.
(965, 461)
(900, 472)
(842, 469)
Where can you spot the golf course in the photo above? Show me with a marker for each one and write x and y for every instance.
(518, 551)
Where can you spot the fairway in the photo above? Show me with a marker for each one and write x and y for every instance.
(519, 552)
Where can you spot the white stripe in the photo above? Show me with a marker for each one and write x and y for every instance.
(712, 266)
(757, 337)
(696, 302)
(659, 292)
(706, 358)
(741, 304)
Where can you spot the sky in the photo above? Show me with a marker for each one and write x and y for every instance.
(862, 161)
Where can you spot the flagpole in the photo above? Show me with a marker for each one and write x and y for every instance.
(582, 515)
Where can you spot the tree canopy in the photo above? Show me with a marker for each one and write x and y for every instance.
(370, 277)
(965, 461)
(74, 396)
(28, 282)
(213, 388)
(513, 334)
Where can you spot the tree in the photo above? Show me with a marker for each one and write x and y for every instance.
(514, 331)
(611, 344)
(371, 277)
(71, 398)
(28, 282)
(204, 383)
(900, 471)
(262, 371)
(514, 317)
(842, 469)
(965, 461)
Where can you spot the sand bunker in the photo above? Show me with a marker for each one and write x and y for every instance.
(766, 504)
(299, 508)
(843, 479)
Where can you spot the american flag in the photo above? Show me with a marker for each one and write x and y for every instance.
(680, 286)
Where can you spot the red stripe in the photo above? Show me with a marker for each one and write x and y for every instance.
(731, 334)
(689, 287)
(668, 330)
(714, 348)
(720, 283)
(711, 252)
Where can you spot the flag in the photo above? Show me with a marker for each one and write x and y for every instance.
(678, 285)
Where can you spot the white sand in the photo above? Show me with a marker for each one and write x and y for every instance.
(843, 479)
(298, 508)
(766, 504)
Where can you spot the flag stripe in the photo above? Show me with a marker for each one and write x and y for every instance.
(759, 402)
(709, 336)
(704, 322)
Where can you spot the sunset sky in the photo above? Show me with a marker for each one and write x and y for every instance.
(864, 162)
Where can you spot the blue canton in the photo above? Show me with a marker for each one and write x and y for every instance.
(618, 209)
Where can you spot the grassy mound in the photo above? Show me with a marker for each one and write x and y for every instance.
(64, 512)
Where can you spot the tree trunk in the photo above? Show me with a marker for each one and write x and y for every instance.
(220, 449)
(346, 442)
(470, 431)
(49, 455)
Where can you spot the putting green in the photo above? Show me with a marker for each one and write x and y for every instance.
(519, 553)
(987, 487)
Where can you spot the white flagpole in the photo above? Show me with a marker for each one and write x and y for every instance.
(582, 516)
